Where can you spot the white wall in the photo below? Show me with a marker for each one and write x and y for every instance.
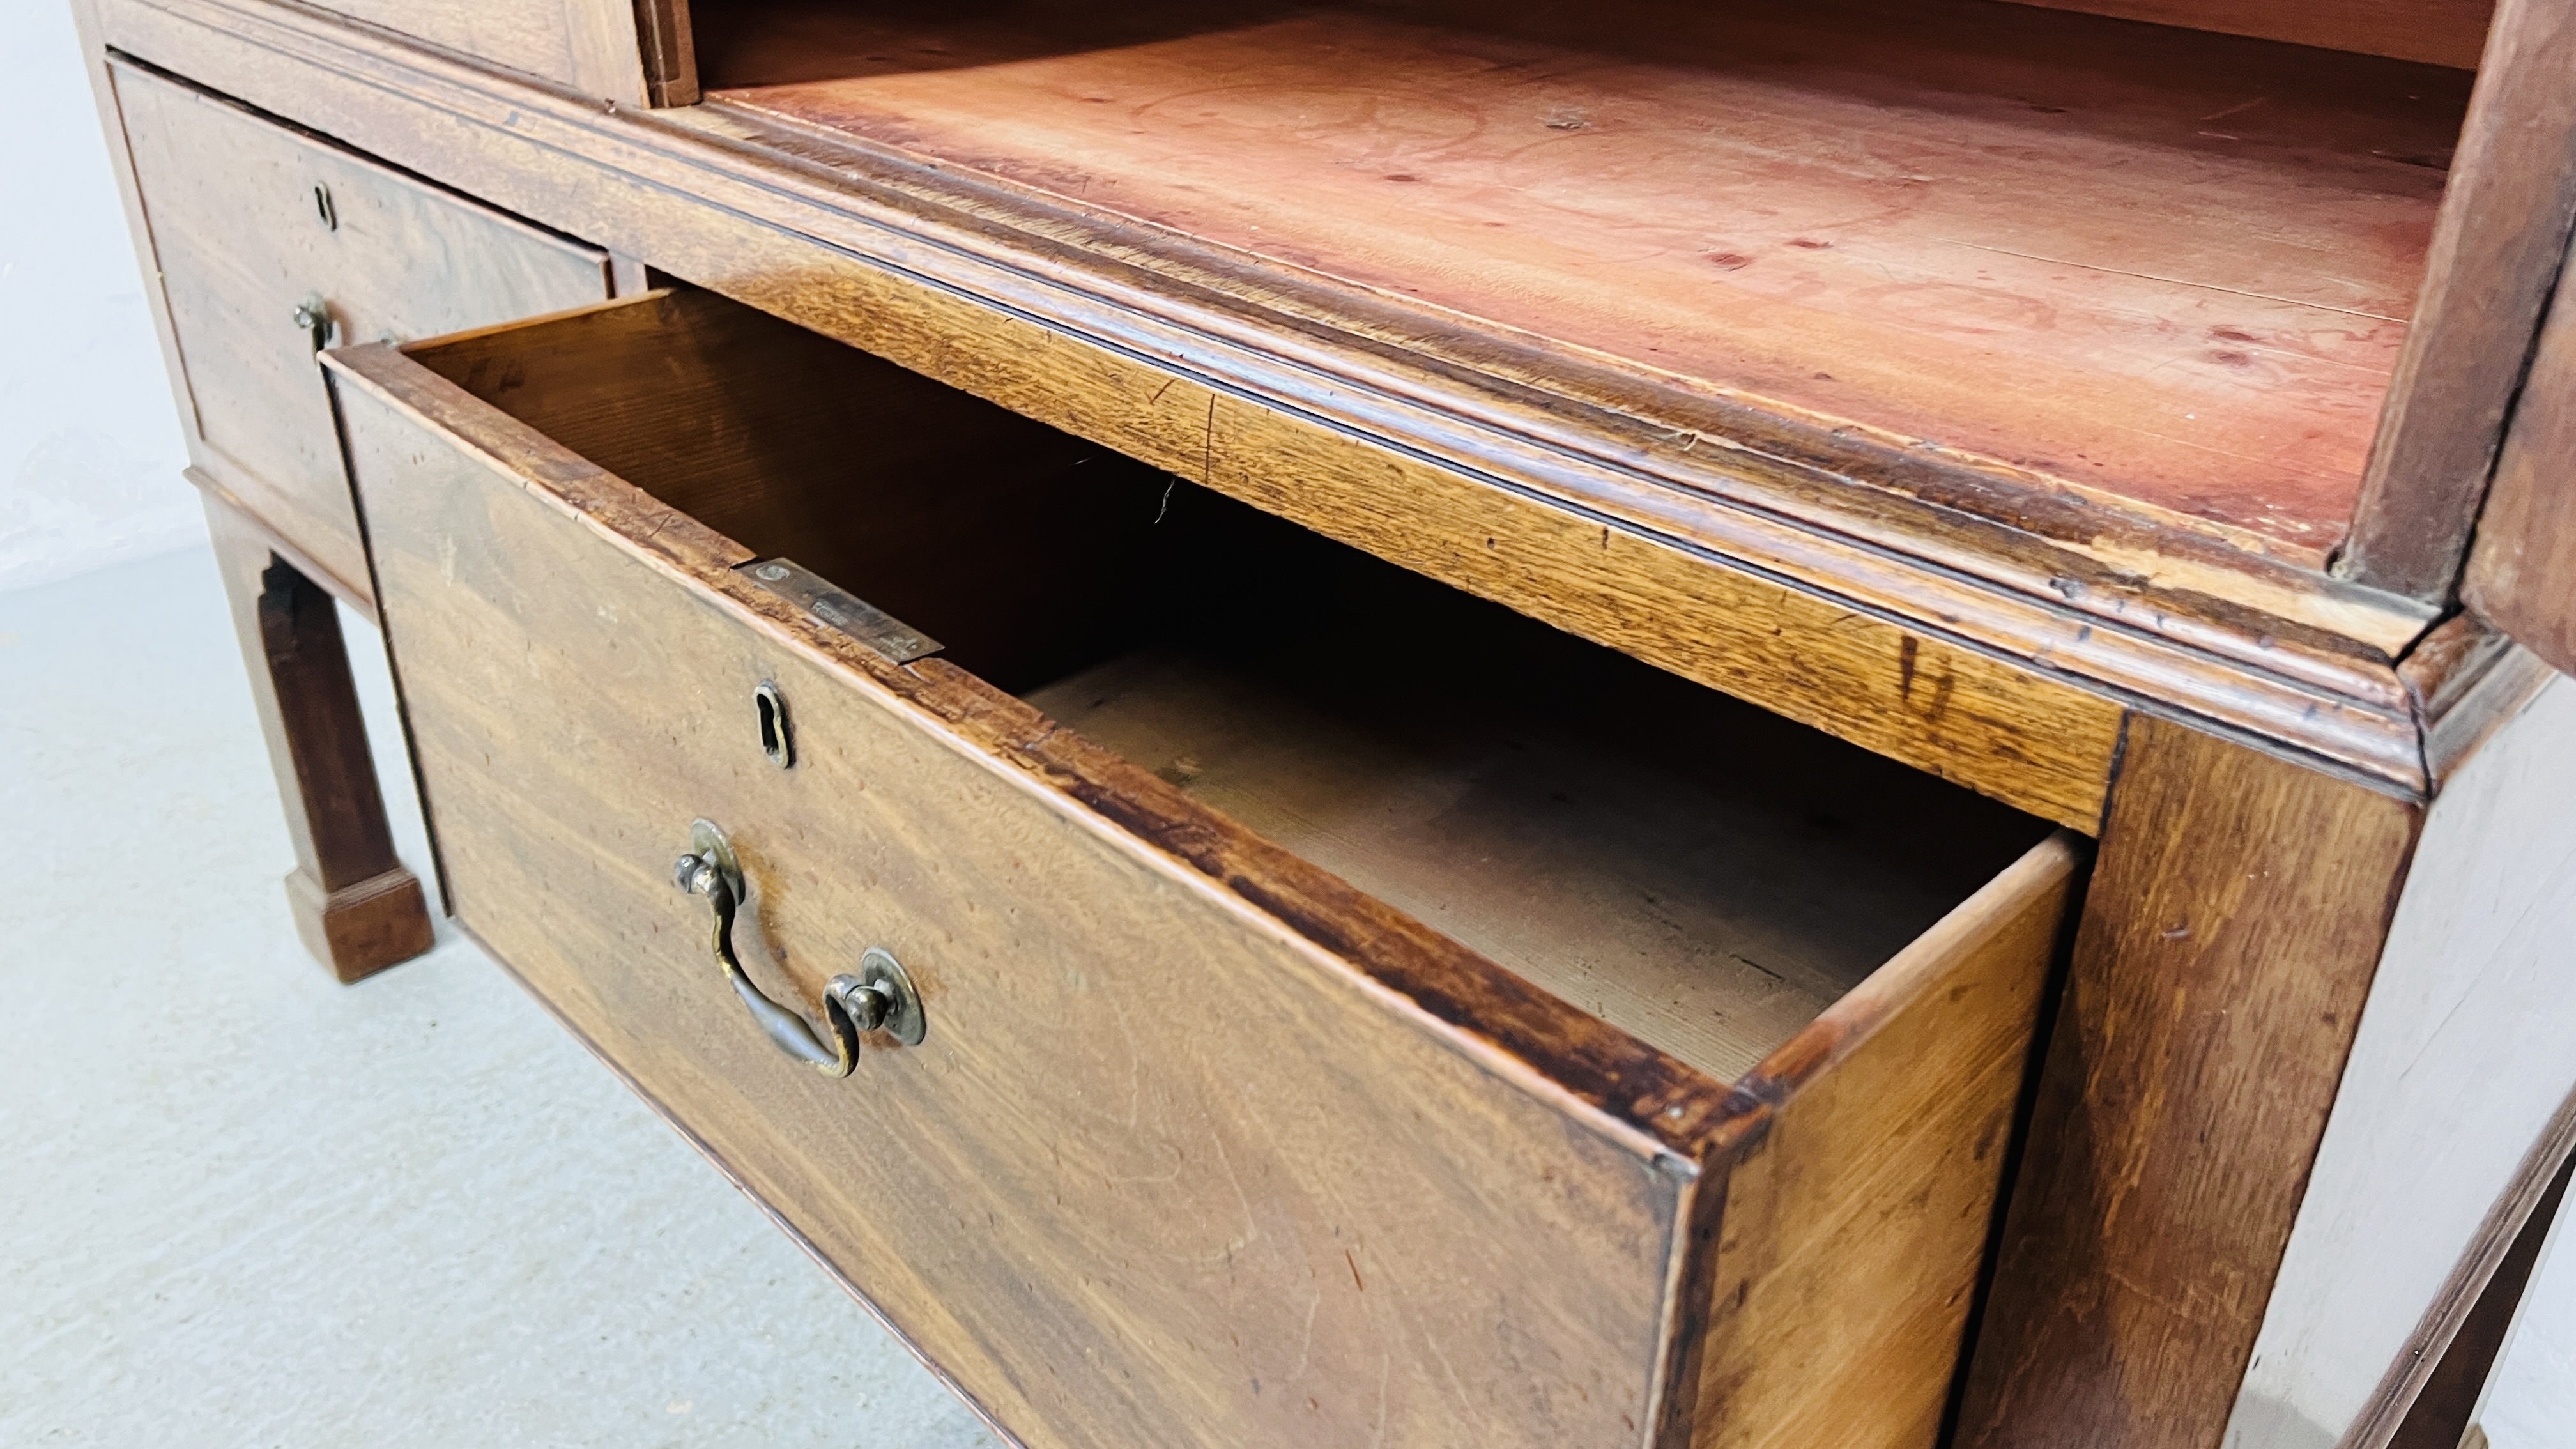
(2459, 1062)
(90, 447)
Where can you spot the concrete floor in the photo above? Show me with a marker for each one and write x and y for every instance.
(242, 1205)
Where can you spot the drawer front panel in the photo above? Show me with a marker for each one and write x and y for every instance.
(1162, 1172)
(249, 220)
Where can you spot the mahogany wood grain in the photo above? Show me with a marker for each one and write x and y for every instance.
(1072, 1196)
(1092, 1011)
(2496, 255)
(1825, 207)
(2231, 930)
(2443, 32)
(249, 219)
(2522, 573)
(1388, 1102)
(1755, 570)
(356, 906)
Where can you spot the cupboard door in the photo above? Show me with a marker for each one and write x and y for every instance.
(271, 242)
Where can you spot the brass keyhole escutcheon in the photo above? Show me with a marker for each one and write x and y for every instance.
(775, 741)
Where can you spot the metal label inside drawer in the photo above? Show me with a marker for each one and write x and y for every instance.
(874, 627)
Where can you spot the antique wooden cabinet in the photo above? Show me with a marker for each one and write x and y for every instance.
(1397, 723)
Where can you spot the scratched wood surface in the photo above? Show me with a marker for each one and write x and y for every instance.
(247, 220)
(1445, 1113)
(2230, 934)
(1961, 715)
(1881, 1166)
(1073, 1196)
(1829, 207)
(1461, 762)
(1798, 622)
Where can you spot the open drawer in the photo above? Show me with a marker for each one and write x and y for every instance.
(1349, 1012)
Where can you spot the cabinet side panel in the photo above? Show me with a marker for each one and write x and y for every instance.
(1855, 1228)
(2461, 1058)
(2522, 574)
(2495, 255)
(2229, 936)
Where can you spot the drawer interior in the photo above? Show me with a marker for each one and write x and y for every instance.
(2164, 264)
(1703, 875)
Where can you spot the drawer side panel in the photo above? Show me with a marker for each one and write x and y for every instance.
(1855, 1228)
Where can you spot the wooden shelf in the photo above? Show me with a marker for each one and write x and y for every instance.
(2166, 268)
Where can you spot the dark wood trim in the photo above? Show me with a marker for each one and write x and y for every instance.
(2467, 679)
(670, 52)
(2522, 570)
(358, 909)
(2496, 252)
(1691, 1296)
(2231, 932)
(2425, 1399)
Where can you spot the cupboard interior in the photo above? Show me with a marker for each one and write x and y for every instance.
(1704, 875)
(2167, 268)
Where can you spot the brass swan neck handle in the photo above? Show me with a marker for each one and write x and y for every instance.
(880, 997)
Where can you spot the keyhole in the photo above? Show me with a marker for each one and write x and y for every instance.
(774, 740)
(322, 206)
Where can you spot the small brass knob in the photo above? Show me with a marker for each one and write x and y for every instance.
(313, 314)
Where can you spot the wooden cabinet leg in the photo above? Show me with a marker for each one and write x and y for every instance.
(356, 906)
